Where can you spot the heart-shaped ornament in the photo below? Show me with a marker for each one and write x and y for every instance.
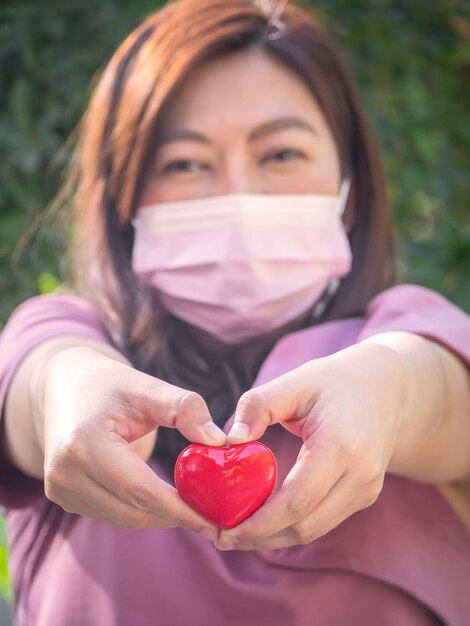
(226, 484)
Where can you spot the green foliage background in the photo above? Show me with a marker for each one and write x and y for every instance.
(411, 59)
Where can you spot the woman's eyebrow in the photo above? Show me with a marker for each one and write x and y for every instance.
(280, 123)
(181, 134)
(272, 126)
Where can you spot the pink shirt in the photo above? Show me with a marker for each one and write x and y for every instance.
(404, 561)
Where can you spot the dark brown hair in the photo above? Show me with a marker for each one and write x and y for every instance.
(119, 134)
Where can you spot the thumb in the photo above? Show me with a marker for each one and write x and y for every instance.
(268, 404)
(173, 407)
(194, 421)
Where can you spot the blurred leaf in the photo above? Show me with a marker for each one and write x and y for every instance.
(5, 588)
(48, 283)
(19, 104)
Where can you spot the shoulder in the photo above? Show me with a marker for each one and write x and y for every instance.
(415, 309)
(407, 298)
(54, 304)
(54, 307)
(43, 317)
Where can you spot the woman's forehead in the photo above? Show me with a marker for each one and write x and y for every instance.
(244, 89)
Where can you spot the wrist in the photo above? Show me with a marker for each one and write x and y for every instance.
(60, 356)
(422, 398)
(391, 374)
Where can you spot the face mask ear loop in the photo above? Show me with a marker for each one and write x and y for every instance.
(325, 299)
(334, 285)
(344, 194)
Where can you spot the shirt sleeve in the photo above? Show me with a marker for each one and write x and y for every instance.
(414, 309)
(31, 324)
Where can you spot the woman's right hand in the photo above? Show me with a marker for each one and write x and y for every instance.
(95, 412)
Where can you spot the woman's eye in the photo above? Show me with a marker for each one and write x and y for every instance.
(184, 165)
(288, 154)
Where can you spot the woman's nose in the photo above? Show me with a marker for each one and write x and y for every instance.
(239, 175)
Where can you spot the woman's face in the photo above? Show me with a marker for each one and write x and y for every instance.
(243, 123)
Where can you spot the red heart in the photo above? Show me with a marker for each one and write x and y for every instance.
(226, 484)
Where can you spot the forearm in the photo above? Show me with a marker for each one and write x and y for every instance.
(433, 442)
(23, 412)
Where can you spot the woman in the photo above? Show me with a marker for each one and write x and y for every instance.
(233, 233)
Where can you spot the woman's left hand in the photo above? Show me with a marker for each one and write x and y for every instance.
(348, 409)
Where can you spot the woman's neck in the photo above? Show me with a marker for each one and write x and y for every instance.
(247, 353)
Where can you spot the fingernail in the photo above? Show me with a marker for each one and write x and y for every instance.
(239, 431)
(227, 543)
(214, 432)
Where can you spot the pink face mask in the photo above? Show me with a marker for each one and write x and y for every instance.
(242, 265)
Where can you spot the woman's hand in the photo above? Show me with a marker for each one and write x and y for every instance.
(348, 409)
(95, 412)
